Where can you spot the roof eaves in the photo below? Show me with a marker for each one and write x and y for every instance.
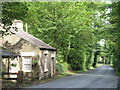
(33, 40)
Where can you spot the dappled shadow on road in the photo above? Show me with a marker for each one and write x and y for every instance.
(97, 75)
(101, 71)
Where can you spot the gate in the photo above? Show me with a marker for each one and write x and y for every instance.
(19, 77)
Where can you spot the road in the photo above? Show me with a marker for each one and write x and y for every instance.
(100, 77)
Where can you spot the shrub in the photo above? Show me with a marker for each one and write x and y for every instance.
(116, 65)
(77, 59)
(62, 67)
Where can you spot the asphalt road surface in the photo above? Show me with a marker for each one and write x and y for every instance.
(100, 77)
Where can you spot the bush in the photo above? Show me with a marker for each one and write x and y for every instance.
(77, 59)
(62, 67)
(116, 65)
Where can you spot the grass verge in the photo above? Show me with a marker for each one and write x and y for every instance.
(27, 83)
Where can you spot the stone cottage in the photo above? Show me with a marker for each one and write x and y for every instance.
(37, 60)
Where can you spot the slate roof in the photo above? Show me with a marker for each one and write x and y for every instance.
(33, 40)
(7, 53)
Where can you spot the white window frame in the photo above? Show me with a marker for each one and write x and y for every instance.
(27, 53)
(26, 62)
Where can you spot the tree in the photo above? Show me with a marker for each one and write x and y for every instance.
(71, 27)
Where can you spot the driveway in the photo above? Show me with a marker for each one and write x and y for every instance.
(100, 77)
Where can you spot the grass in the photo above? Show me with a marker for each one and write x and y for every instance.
(118, 74)
(91, 68)
(75, 72)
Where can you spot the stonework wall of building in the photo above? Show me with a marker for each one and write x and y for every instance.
(5, 64)
(50, 61)
(18, 44)
(12, 39)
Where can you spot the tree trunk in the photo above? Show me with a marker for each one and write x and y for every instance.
(95, 59)
(68, 50)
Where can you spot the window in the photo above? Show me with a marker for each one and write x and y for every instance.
(27, 64)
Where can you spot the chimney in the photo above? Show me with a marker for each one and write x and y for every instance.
(18, 24)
